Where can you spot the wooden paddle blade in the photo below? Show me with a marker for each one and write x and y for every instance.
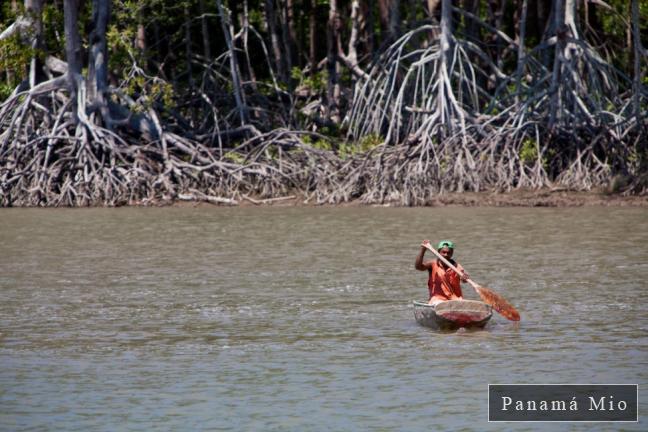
(498, 303)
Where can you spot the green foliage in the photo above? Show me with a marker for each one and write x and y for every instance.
(366, 143)
(346, 77)
(272, 153)
(316, 83)
(234, 157)
(121, 50)
(256, 18)
(297, 74)
(146, 91)
(529, 151)
(5, 91)
(613, 23)
(332, 130)
(344, 149)
(163, 91)
(128, 62)
(370, 141)
(53, 37)
(322, 144)
(613, 31)
(15, 56)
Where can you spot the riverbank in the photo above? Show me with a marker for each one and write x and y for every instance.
(516, 198)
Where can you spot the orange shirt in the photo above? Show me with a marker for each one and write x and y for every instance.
(444, 284)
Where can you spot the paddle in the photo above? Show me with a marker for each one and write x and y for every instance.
(488, 296)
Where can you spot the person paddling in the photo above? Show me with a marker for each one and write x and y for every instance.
(443, 282)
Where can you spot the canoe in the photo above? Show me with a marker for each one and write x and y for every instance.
(453, 314)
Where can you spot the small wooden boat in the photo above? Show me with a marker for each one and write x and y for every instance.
(453, 314)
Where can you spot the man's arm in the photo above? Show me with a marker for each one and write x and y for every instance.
(419, 264)
(462, 273)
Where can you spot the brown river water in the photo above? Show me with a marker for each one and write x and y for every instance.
(300, 319)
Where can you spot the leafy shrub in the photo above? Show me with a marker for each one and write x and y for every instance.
(529, 151)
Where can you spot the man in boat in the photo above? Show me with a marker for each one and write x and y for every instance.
(443, 282)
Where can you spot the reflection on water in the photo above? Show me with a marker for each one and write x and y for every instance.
(301, 319)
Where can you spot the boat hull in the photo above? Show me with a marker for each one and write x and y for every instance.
(453, 314)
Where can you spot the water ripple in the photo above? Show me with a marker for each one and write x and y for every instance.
(301, 319)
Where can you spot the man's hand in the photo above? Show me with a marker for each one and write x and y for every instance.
(418, 264)
(464, 276)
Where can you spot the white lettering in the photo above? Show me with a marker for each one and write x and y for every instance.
(594, 406)
(607, 405)
(558, 406)
(573, 406)
(506, 401)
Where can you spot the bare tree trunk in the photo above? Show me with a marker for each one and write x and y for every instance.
(521, 53)
(558, 14)
(537, 18)
(292, 34)
(446, 60)
(553, 17)
(351, 59)
(140, 35)
(390, 17)
(383, 10)
(394, 19)
(312, 37)
(9, 73)
(35, 10)
(158, 43)
(333, 88)
(188, 49)
(72, 48)
(189, 60)
(472, 25)
(497, 8)
(446, 33)
(205, 31)
(570, 66)
(98, 64)
(140, 38)
(432, 6)
(299, 17)
(412, 6)
(473, 34)
(570, 17)
(226, 26)
(366, 32)
(287, 37)
(245, 28)
(271, 19)
(639, 53)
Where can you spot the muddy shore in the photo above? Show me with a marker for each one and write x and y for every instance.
(517, 198)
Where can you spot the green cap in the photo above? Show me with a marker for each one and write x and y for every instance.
(445, 243)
